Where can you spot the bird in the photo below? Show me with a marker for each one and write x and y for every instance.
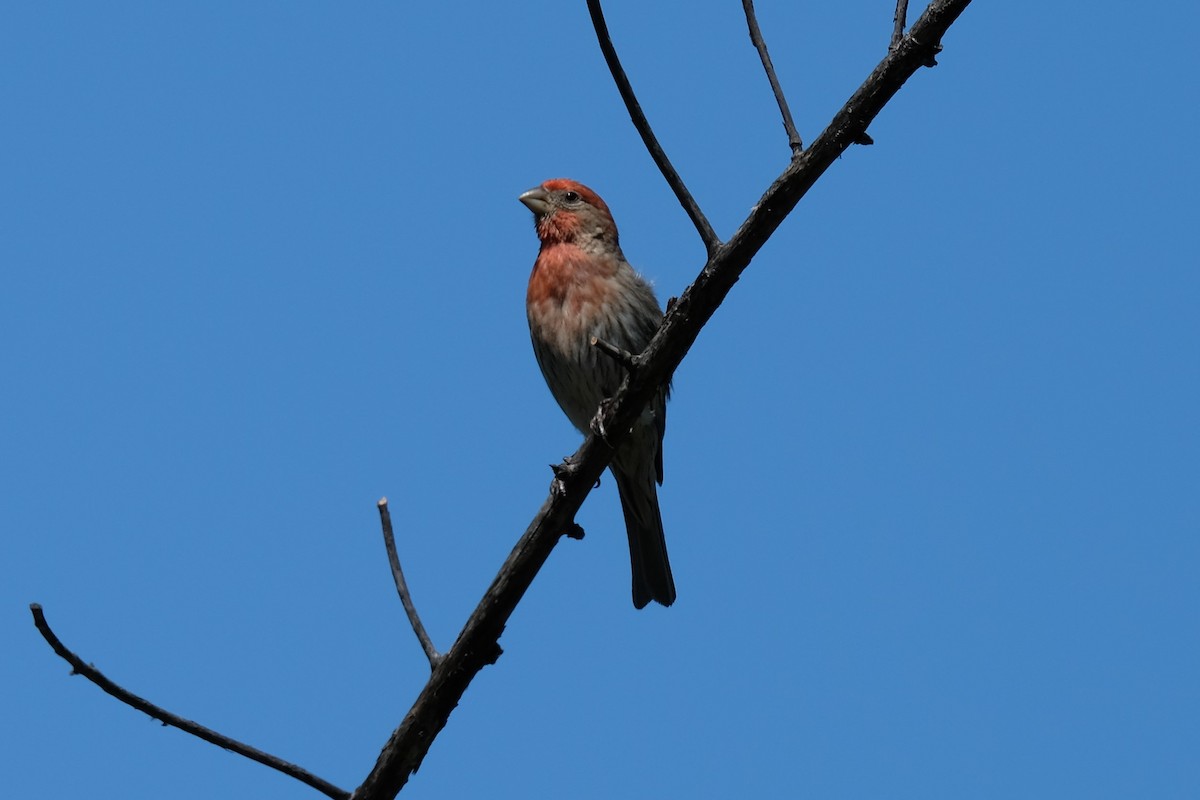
(581, 287)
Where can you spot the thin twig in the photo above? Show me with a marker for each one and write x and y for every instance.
(623, 357)
(898, 22)
(474, 647)
(760, 45)
(707, 234)
(78, 667)
(389, 542)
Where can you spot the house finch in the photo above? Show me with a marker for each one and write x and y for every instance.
(581, 286)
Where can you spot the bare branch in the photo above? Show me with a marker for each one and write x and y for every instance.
(414, 619)
(78, 667)
(477, 643)
(899, 21)
(707, 234)
(760, 45)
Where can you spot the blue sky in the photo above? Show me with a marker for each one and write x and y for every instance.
(932, 473)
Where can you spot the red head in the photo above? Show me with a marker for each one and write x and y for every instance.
(565, 210)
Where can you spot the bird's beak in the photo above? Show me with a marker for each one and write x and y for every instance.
(536, 200)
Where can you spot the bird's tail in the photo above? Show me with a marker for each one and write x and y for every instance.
(647, 545)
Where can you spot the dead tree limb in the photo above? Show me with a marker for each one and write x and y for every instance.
(477, 644)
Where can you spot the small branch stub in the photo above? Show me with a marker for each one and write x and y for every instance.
(623, 357)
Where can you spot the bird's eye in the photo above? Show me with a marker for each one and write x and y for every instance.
(571, 197)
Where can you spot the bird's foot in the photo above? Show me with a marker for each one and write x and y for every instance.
(597, 424)
(562, 473)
